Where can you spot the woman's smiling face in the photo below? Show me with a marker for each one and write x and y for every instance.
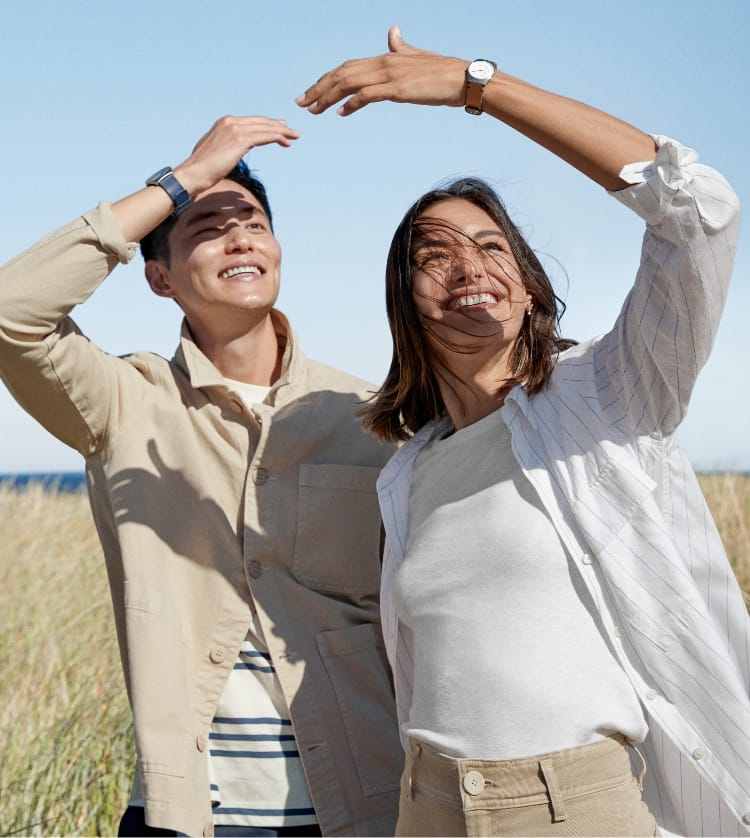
(467, 285)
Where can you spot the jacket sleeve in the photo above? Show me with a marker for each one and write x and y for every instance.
(55, 373)
(647, 365)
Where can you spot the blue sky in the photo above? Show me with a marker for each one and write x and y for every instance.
(96, 96)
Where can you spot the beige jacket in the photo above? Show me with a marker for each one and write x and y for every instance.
(203, 508)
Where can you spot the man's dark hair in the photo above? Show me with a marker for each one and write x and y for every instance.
(155, 245)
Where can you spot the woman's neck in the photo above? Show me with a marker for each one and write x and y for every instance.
(473, 387)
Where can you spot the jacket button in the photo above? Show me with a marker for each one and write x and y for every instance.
(208, 830)
(217, 654)
(746, 818)
(698, 753)
(200, 742)
(255, 569)
(260, 476)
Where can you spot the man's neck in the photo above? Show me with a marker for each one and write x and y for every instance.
(245, 354)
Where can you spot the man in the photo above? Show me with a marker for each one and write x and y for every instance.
(234, 495)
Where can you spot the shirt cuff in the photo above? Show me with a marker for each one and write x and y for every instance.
(676, 178)
(102, 222)
(654, 183)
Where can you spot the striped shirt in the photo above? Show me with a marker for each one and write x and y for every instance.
(598, 445)
(255, 770)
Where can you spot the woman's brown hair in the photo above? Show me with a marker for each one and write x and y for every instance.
(410, 395)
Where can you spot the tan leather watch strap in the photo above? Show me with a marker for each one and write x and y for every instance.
(474, 93)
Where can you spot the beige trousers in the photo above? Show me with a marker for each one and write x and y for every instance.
(590, 790)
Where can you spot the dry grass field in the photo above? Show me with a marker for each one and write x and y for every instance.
(65, 725)
(67, 748)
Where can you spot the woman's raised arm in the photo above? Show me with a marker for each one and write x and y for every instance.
(592, 141)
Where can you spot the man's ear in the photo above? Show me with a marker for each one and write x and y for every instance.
(157, 276)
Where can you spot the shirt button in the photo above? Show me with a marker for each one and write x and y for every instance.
(260, 476)
(473, 782)
(698, 753)
(217, 654)
(200, 743)
(255, 569)
(746, 817)
(651, 694)
(586, 559)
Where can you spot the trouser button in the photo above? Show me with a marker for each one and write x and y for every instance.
(473, 782)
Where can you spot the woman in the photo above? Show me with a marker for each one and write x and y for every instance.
(556, 600)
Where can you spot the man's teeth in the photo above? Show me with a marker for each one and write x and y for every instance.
(474, 300)
(244, 269)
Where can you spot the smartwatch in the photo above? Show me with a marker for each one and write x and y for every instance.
(478, 73)
(176, 191)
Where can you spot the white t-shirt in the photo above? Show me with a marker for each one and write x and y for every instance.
(509, 657)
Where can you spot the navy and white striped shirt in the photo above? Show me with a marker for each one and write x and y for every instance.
(254, 767)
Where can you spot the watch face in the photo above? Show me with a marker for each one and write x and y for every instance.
(157, 177)
(481, 69)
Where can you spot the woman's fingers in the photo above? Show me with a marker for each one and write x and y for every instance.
(403, 74)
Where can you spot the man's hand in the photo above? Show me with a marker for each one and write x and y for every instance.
(220, 149)
(403, 74)
(214, 156)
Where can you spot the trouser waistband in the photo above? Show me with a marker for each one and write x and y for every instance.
(487, 784)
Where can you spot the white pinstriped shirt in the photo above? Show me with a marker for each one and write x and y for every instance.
(598, 445)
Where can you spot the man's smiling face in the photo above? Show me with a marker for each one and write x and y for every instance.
(223, 255)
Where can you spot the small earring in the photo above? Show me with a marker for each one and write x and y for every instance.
(528, 308)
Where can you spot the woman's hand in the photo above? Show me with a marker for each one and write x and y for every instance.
(403, 74)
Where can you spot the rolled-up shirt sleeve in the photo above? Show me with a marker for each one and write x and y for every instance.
(649, 361)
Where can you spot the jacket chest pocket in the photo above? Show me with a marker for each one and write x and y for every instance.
(337, 548)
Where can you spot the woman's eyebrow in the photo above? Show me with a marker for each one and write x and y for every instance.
(437, 240)
(484, 234)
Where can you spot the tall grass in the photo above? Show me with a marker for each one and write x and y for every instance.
(728, 497)
(67, 752)
(66, 736)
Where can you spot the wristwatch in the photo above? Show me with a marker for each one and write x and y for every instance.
(169, 183)
(478, 73)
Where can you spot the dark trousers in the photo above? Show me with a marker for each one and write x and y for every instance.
(133, 824)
